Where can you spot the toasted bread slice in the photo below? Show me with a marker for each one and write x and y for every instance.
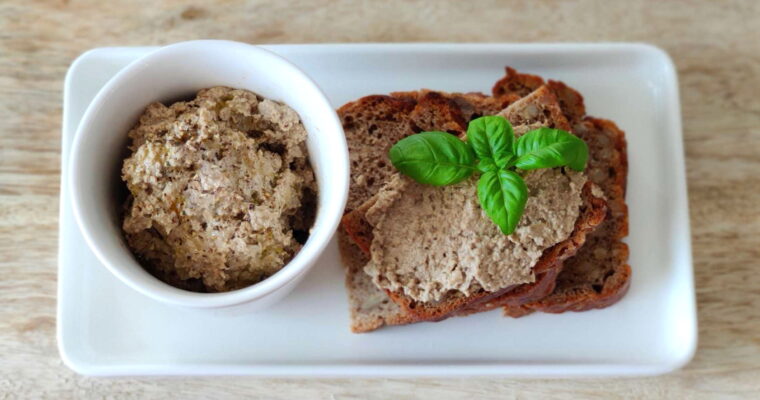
(599, 274)
(540, 108)
(372, 125)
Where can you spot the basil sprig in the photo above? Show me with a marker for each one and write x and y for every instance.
(549, 148)
(433, 158)
(438, 158)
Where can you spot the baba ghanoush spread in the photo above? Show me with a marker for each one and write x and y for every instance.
(222, 194)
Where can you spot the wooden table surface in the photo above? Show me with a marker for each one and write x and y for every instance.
(715, 45)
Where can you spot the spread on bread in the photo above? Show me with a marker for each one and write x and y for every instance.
(429, 240)
(408, 248)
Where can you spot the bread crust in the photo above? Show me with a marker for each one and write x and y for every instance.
(514, 86)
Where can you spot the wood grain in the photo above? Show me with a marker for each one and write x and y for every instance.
(715, 45)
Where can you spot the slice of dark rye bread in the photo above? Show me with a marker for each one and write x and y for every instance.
(541, 108)
(599, 274)
(371, 309)
(372, 125)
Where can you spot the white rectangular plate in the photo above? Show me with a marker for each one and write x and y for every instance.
(106, 328)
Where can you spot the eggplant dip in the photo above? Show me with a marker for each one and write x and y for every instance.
(222, 194)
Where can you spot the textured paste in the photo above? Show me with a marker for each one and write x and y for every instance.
(222, 192)
(431, 240)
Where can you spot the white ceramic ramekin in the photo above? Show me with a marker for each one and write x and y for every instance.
(178, 72)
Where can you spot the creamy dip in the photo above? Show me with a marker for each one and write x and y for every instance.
(222, 194)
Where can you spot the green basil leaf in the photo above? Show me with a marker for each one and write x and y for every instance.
(503, 195)
(433, 158)
(490, 137)
(549, 148)
(486, 164)
(504, 160)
